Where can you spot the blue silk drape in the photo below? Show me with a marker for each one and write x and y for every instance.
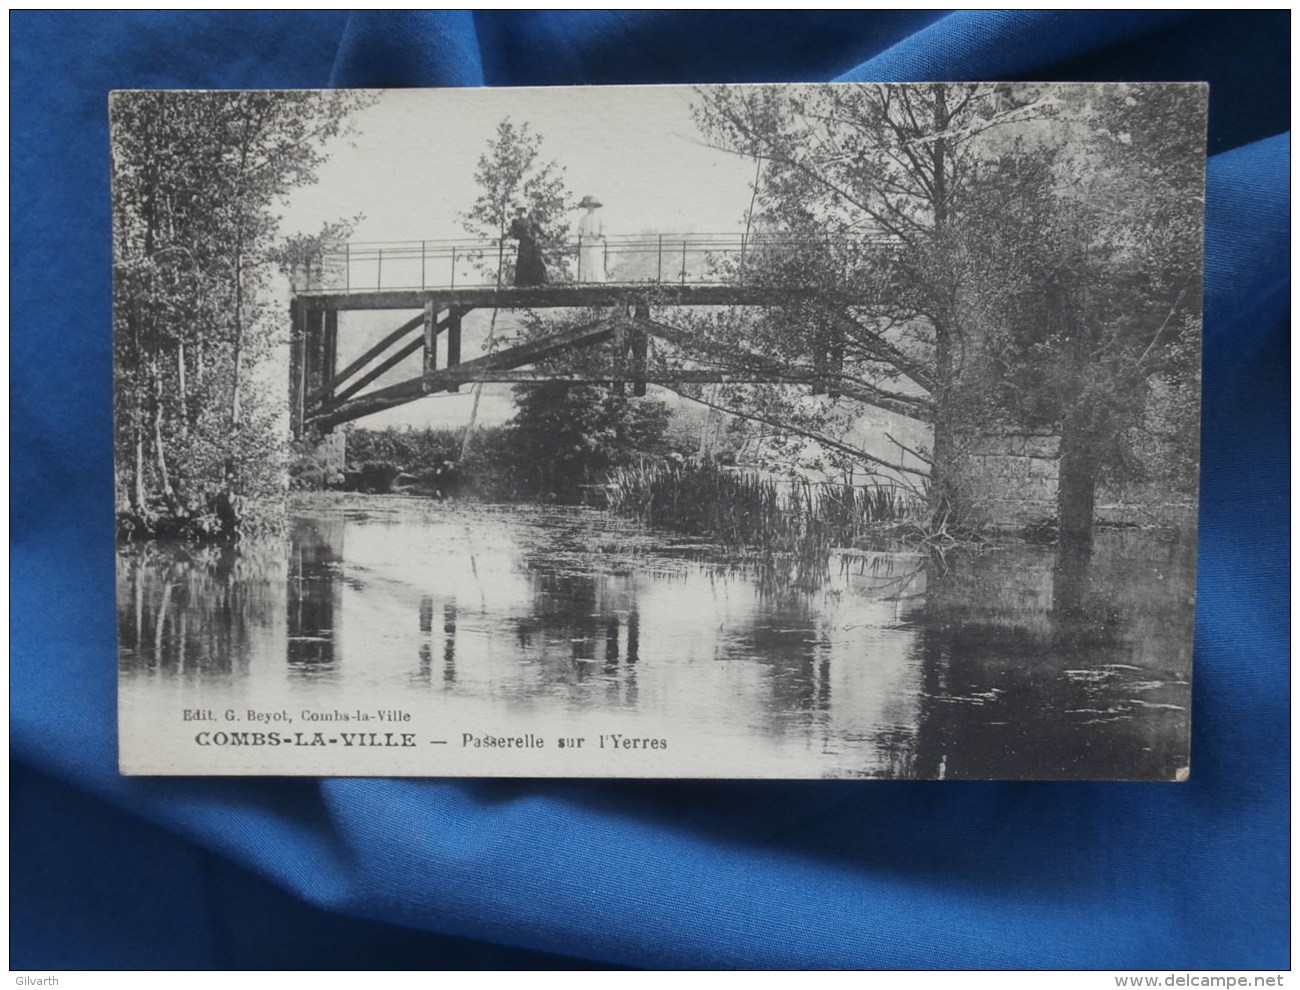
(113, 872)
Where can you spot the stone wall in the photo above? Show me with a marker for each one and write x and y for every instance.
(1009, 481)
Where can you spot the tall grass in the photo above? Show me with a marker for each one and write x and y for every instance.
(745, 509)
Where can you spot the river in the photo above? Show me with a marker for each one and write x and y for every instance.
(540, 626)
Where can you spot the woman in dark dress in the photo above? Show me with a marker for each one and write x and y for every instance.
(529, 266)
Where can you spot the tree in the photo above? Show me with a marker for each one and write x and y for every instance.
(1148, 194)
(511, 173)
(956, 252)
(865, 205)
(302, 258)
(1095, 322)
(196, 177)
(566, 435)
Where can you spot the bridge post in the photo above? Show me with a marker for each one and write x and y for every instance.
(621, 362)
(316, 350)
(640, 347)
(453, 340)
(297, 386)
(430, 341)
(329, 350)
(313, 350)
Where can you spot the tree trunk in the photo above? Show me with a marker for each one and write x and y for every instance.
(181, 389)
(239, 335)
(945, 495)
(1077, 494)
(160, 455)
(137, 482)
(1080, 432)
(239, 283)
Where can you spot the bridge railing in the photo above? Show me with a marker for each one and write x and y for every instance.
(678, 259)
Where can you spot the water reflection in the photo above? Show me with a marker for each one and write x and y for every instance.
(1016, 663)
(197, 611)
(1058, 667)
(315, 556)
(580, 639)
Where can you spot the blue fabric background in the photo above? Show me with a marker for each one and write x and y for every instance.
(116, 872)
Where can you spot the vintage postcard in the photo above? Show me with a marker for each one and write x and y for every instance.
(799, 431)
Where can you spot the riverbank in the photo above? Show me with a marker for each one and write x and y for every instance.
(220, 518)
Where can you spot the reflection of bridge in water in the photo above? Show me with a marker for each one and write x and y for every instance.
(446, 280)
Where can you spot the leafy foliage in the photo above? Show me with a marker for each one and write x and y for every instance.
(196, 177)
(487, 472)
(979, 257)
(512, 173)
(414, 450)
(564, 436)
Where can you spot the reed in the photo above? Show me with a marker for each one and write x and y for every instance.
(745, 509)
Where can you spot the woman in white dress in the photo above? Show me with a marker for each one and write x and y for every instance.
(591, 242)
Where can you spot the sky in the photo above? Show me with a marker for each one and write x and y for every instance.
(408, 166)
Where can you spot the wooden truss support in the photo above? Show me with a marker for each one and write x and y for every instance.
(448, 379)
(372, 353)
(432, 327)
(329, 393)
(394, 359)
(319, 403)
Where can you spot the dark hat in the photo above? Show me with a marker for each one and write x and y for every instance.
(589, 201)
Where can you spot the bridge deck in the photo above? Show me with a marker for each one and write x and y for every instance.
(662, 260)
(551, 296)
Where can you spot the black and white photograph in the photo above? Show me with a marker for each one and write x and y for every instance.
(780, 431)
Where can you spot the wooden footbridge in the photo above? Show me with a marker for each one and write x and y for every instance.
(443, 281)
